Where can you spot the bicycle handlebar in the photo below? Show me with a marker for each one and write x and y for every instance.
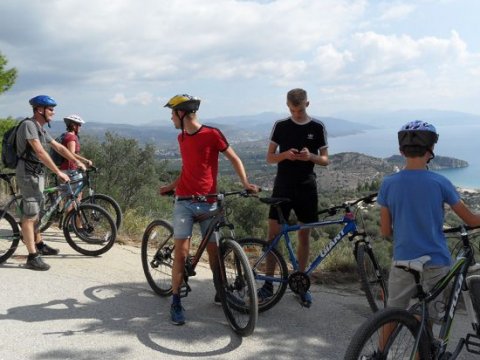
(218, 196)
(369, 199)
(459, 228)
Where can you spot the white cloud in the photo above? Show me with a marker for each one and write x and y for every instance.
(142, 98)
(396, 11)
(119, 99)
(131, 53)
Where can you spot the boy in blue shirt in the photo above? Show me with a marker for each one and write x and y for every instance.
(412, 210)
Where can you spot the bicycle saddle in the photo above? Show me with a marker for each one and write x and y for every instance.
(414, 264)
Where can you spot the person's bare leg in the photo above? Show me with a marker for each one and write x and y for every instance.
(303, 248)
(28, 233)
(180, 255)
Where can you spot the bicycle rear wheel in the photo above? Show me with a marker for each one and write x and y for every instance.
(392, 329)
(9, 235)
(97, 231)
(157, 256)
(236, 288)
(372, 278)
(109, 204)
(271, 272)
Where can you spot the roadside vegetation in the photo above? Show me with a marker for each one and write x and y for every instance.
(132, 174)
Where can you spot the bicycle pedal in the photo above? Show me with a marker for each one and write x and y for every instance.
(184, 290)
(473, 344)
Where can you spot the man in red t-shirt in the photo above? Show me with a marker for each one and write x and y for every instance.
(199, 148)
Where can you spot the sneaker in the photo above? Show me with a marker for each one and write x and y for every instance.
(264, 294)
(216, 300)
(37, 264)
(46, 250)
(177, 314)
(305, 299)
(234, 300)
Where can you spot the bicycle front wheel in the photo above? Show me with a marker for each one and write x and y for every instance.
(109, 204)
(372, 278)
(9, 236)
(90, 230)
(157, 256)
(236, 288)
(388, 334)
(270, 272)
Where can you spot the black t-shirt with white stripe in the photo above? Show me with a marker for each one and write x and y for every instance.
(287, 134)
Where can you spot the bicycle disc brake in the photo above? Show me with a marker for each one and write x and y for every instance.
(299, 282)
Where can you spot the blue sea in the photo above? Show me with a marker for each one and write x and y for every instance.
(461, 142)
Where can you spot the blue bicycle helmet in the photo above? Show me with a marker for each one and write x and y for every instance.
(43, 101)
(417, 133)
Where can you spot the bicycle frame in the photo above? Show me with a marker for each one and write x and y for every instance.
(71, 199)
(217, 222)
(350, 227)
(458, 272)
(70, 194)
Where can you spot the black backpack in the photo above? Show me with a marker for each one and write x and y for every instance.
(56, 157)
(9, 147)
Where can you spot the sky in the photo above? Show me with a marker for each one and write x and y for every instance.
(120, 61)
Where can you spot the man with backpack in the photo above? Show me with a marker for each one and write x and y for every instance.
(31, 141)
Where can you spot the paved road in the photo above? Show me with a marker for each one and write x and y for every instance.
(101, 308)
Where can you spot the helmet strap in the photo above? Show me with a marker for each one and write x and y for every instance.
(43, 115)
(182, 126)
(432, 155)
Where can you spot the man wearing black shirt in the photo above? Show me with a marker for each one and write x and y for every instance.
(297, 144)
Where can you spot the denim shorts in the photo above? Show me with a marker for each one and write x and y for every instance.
(183, 218)
(74, 175)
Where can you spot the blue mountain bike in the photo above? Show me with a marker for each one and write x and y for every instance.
(272, 274)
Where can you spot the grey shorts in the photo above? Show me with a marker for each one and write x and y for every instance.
(401, 288)
(31, 187)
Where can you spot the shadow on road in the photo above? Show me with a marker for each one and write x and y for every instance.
(130, 308)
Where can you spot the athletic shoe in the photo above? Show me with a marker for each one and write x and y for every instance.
(37, 264)
(235, 300)
(264, 293)
(305, 299)
(46, 250)
(216, 300)
(177, 314)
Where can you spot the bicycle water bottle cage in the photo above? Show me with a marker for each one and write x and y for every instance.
(299, 282)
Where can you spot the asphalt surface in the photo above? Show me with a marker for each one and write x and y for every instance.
(102, 308)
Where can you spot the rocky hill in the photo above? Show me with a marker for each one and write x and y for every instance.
(350, 170)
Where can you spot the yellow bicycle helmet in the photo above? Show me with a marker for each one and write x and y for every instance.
(184, 102)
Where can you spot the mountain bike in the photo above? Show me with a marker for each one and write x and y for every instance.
(104, 201)
(270, 268)
(407, 334)
(234, 281)
(88, 228)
